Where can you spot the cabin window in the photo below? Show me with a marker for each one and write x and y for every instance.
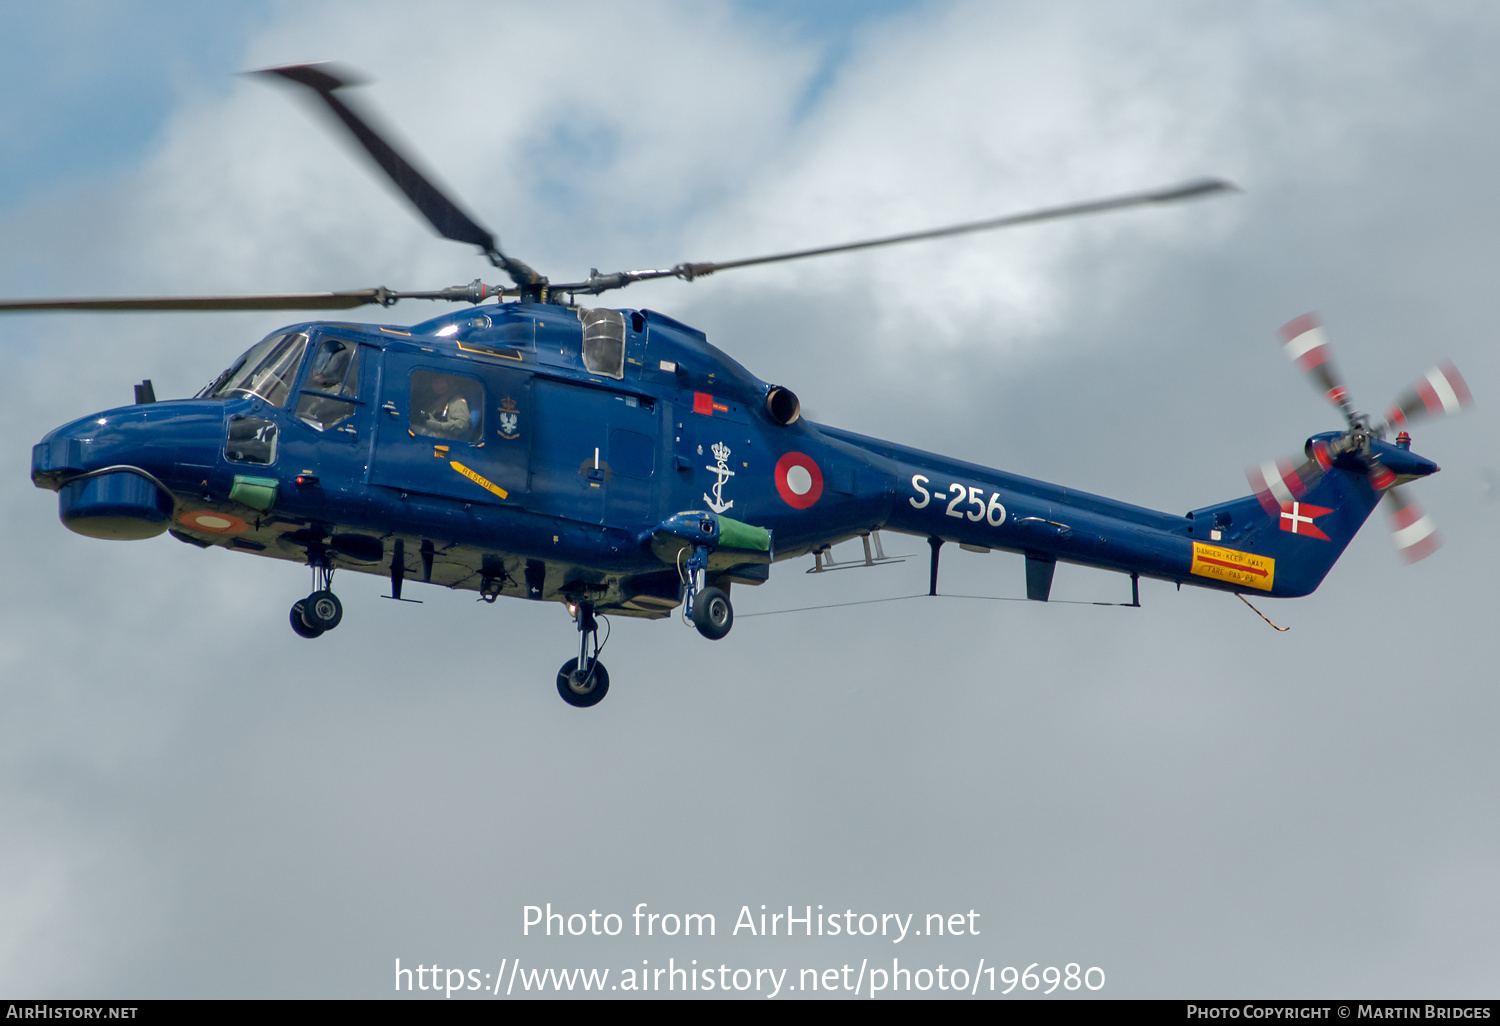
(266, 371)
(604, 342)
(447, 406)
(334, 372)
(510, 340)
(251, 440)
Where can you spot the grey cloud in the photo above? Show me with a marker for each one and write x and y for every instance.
(203, 804)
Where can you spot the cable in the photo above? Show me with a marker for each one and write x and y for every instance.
(608, 630)
(902, 598)
(834, 605)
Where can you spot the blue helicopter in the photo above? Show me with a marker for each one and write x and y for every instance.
(614, 460)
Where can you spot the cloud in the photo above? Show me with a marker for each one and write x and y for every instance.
(207, 805)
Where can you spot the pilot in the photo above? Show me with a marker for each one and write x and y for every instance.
(331, 368)
(445, 413)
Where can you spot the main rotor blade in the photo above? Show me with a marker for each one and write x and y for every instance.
(285, 301)
(598, 283)
(474, 292)
(1189, 190)
(431, 202)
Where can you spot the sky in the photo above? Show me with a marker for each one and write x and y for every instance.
(200, 804)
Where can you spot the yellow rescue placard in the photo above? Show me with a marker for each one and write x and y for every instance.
(1234, 566)
(478, 479)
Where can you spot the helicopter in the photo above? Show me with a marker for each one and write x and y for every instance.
(617, 462)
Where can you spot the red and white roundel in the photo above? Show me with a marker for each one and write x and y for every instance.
(214, 523)
(799, 480)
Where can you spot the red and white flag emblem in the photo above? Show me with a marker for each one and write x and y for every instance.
(1298, 518)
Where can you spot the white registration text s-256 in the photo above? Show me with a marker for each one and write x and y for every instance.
(972, 496)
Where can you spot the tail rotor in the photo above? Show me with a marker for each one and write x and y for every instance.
(1280, 485)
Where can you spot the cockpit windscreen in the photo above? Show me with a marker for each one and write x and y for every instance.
(267, 370)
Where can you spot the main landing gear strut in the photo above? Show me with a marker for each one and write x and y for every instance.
(584, 681)
(321, 611)
(707, 604)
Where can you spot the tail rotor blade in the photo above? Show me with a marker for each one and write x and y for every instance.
(1440, 392)
(1277, 481)
(1412, 530)
(1306, 344)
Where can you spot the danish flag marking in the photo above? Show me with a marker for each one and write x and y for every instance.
(1298, 517)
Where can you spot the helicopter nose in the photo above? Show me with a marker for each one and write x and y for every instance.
(95, 498)
(154, 437)
(58, 457)
(114, 471)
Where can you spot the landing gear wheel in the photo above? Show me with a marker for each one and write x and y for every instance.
(712, 613)
(300, 625)
(582, 689)
(322, 611)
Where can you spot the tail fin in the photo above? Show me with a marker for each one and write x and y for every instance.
(1305, 536)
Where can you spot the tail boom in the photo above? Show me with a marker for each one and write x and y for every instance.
(1284, 550)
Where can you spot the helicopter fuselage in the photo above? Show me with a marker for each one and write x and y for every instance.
(557, 453)
(616, 461)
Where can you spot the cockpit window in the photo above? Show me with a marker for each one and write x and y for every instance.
(335, 368)
(334, 372)
(266, 371)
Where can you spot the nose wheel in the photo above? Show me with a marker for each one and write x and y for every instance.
(299, 623)
(584, 681)
(583, 688)
(319, 612)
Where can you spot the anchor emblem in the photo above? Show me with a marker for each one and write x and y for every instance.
(717, 503)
